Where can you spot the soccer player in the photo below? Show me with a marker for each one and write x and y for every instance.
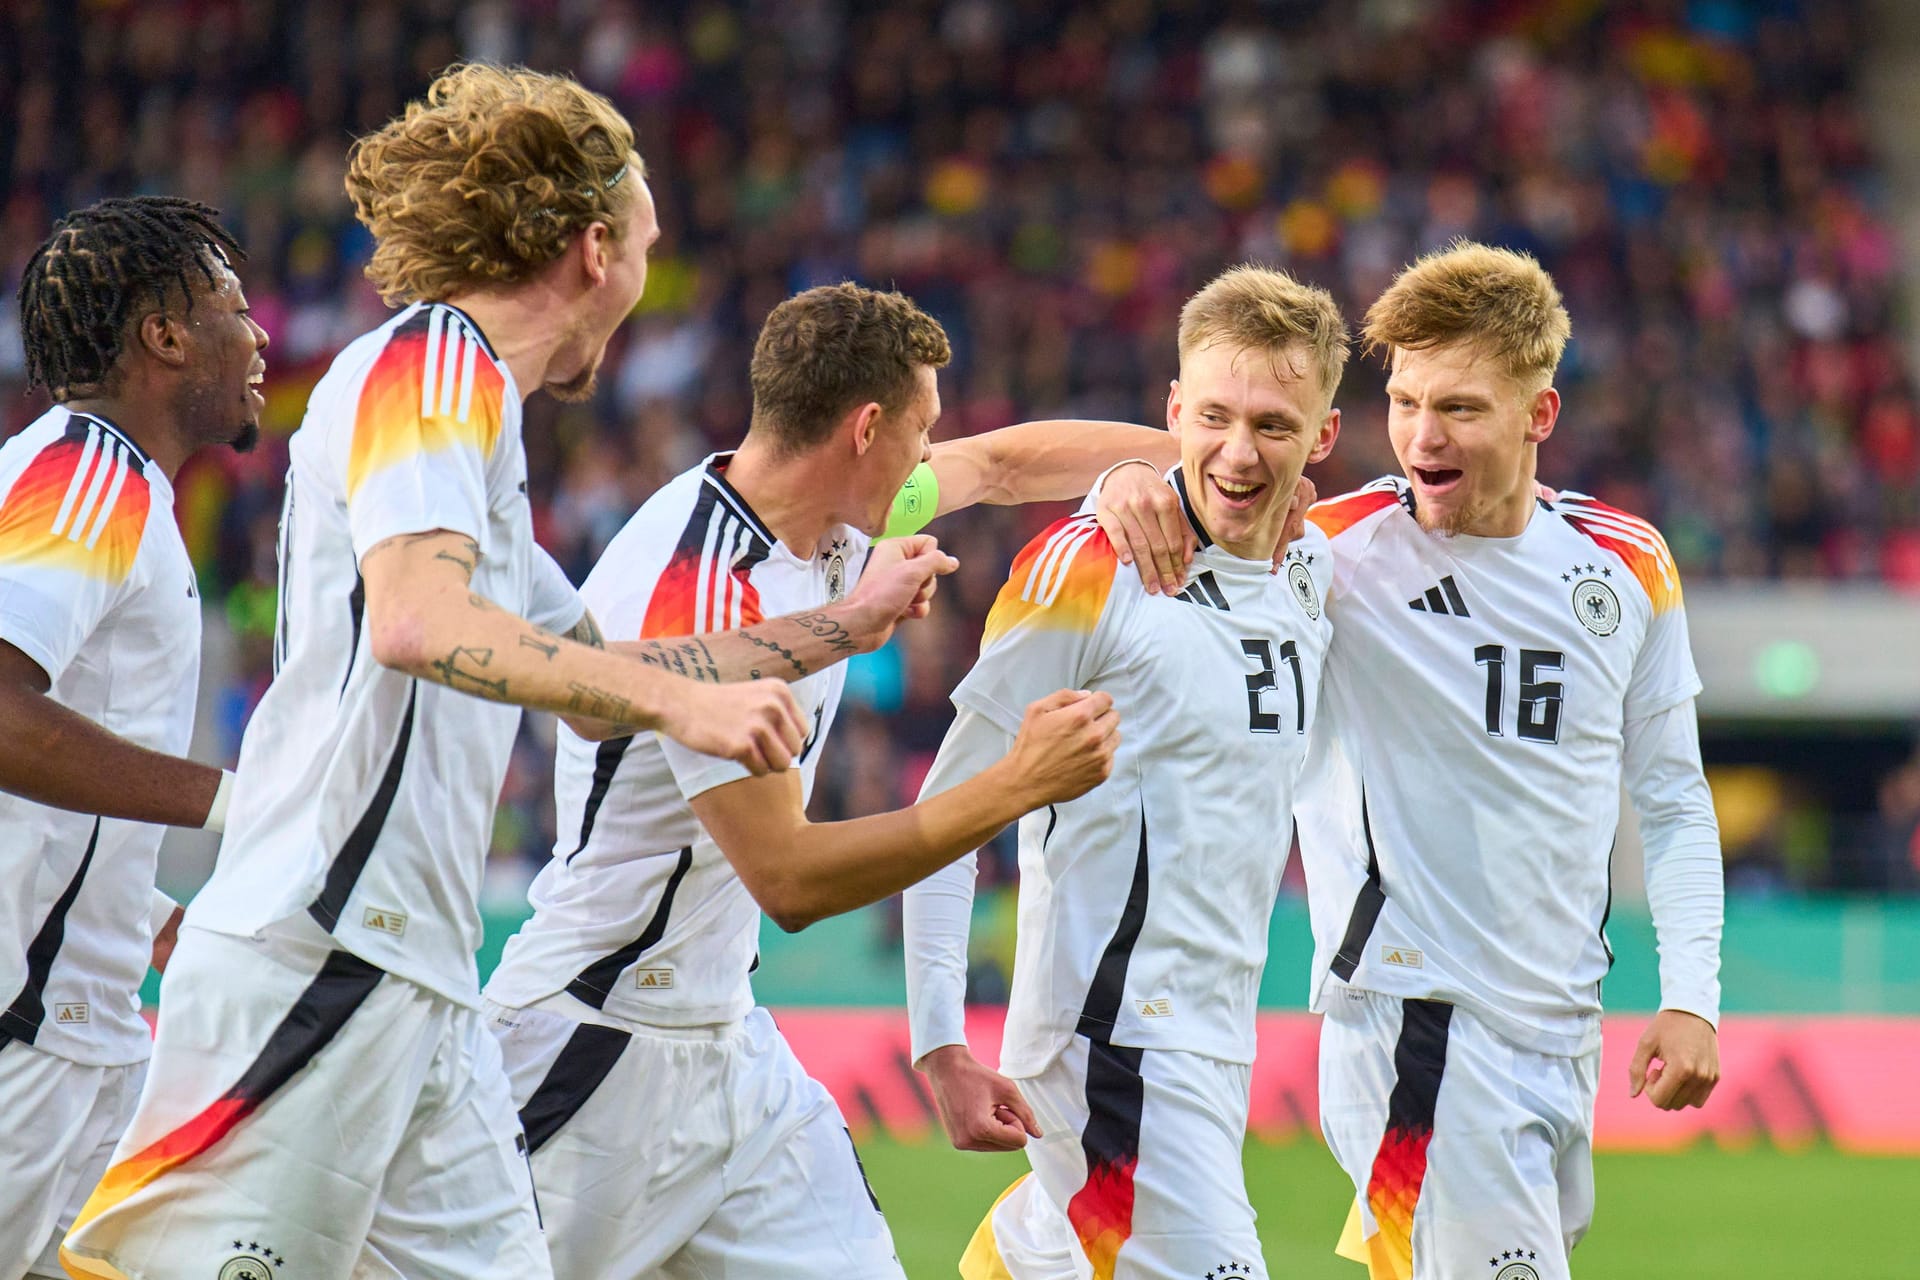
(1504, 662)
(132, 318)
(673, 1131)
(324, 1095)
(1144, 905)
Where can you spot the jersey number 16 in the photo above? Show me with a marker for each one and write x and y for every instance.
(1539, 719)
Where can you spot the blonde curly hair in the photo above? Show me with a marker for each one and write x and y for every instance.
(488, 179)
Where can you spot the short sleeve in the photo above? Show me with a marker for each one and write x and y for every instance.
(425, 426)
(71, 527)
(552, 601)
(1049, 628)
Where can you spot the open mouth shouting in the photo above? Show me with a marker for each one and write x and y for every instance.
(1438, 479)
(1237, 495)
(254, 382)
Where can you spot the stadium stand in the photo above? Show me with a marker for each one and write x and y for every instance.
(1051, 181)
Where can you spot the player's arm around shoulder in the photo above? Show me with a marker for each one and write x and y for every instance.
(1048, 461)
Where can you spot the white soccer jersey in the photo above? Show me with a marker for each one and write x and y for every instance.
(1144, 905)
(1457, 819)
(95, 587)
(365, 797)
(639, 913)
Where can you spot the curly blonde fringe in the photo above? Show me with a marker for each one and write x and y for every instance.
(488, 179)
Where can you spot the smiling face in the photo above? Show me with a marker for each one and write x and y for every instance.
(1248, 422)
(622, 265)
(1466, 434)
(225, 363)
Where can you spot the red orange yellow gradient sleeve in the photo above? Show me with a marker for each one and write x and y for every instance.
(78, 507)
(1636, 542)
(413, 405)
(1337, 515)
(1060, 581)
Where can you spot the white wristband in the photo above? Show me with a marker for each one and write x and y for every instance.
(217, 813)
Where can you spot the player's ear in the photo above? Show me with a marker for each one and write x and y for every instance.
(1329, 432)
(864, 424)
(595, 251)
(163, 337)
(1173, 407)
(1546, 414)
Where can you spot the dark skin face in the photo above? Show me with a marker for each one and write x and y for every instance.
(217, 398)
(187, 378)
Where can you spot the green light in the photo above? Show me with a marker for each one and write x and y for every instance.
(1786, 669)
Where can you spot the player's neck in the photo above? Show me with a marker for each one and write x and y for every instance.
(527, 328)
(793, 494)
(143, 419)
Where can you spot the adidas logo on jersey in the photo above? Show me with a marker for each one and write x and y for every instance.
(392, 922)
(653, 979)
(71, 1014)
(1444, 599)
(1205, 591)
(1405, 957)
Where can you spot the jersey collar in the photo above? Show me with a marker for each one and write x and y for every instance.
(1178, 479)
(717, 477)
(115, 430)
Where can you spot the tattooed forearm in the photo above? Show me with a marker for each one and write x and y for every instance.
(599, 704)
(773, 646)
(466, 555)
(539, 643)
(689, 657)
(822, 627)
(587, 632)
(464, 669)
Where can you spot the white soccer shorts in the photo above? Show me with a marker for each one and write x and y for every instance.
(1138, 1176)
(62, 1121)
(687, 1153)
(1469, 1155)
(308, 1117)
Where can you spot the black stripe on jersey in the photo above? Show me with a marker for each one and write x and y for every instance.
(1606, 912)
(595, 982)
(1186, 505)
(358, 849)
(1366, 908)
(24, 1017)
(1109, 984)
(606, 762)
(356, 610)
(1453, 597)
(584, 1063)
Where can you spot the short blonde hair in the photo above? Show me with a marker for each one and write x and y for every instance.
(1261, 309)
(488, 179)
(1498, 299)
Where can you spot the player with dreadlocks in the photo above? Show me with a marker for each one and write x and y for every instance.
(134, 321)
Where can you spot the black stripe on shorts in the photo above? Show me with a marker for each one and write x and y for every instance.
(584, 1062)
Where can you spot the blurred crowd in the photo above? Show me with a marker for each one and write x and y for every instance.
(1052, 181)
